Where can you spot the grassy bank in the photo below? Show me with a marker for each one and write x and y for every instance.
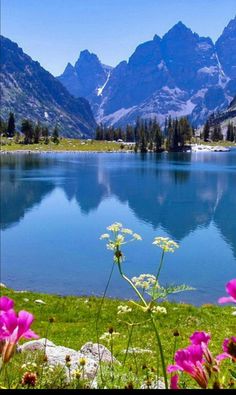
(63, 145)
(68, 145)
(75, 324)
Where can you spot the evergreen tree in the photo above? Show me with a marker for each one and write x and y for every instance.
(55, 135)
(206, 131)
(3, 127)
(216, 133)
(11, 125)
(230, 132)
(45, 134)
(28, 131)
(37, 133)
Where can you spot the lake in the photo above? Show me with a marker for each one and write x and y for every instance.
(54, 207)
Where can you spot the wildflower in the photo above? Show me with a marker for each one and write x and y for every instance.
(158, 310)
(198, 338)
(231, 290)
(115, 227)
(117, 239)
(6, 303)
(13, 328)
(176, 333)
(174, 382)
(166, 244)
(229, 348)
(145, 281)
(104, 236)
(126, 231)
(190, 361)
(67, 358)
(137, 237)
(82, 361)
(123, 309)
(108, 336)
(29, 379)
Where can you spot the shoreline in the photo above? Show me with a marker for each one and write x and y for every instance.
(26, 151)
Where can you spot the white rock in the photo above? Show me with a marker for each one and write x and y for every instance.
(98, 352)
(2, 285)
(39, 301)
(57, 355)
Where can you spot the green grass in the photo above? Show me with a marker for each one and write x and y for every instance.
(75, 319)
(64, 145)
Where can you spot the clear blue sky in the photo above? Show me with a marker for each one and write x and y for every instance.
(55, 31)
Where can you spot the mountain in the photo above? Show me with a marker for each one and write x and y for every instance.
(32, 92)
(178, 74)
(229, 115)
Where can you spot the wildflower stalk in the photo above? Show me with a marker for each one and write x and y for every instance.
(160, 265)
(152, 319)
(161, 351)
(97, 319)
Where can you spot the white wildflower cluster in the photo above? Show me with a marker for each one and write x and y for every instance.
(145, 281)
(158, 310)
(108, 336)
(123, 309)
(29, 366)
(166, 244)
(117, 238)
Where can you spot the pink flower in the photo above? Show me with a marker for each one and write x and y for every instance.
(6, 304)
(198, 338)
(174, 382)
(13, 327)
(229, 348)
(190, 361)
(231, 290)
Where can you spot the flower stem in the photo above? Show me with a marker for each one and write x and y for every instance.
(161, 352)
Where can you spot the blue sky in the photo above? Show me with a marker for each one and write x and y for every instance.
(55, 31)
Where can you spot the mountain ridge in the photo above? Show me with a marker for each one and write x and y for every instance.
(30, 91)
(178, 74)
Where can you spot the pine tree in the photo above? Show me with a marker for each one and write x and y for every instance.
(45, 134)
(28, 130)
(37, 133)
(3, 127)
(230, 132)
(11, 125)
(55, 135)
(206, 131)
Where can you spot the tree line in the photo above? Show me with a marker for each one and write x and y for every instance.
(148, 134)
(212, 130)
(32, 132)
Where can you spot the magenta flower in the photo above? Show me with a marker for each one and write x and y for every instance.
(229, 348)
(190, 361)
(231, 290)
(174, 382)
(6, 304)
(13, 327)
(198, 338)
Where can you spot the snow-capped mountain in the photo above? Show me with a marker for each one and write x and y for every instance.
(178, 74)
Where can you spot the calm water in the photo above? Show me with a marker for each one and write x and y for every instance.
(54, 207)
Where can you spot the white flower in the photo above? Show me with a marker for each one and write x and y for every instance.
(39, 301)
(166, 244)
(145, 281)
(123, 309)
(159, 310)
(104, 236)
(137, 237)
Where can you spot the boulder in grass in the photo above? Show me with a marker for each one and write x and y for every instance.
(59, 354)
(98, 352)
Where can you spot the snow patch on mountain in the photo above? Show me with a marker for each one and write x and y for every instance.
(100, 90)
